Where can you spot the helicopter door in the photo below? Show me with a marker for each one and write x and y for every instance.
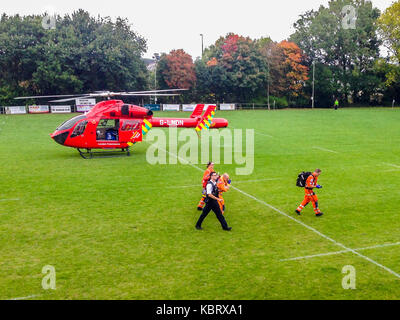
(107, 130)
(130, 131)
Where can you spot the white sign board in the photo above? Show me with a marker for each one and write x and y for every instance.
(38, 109)
(189, 107)
(60, 109)
(227, 107)
(171, 107)
(84, 105)
(16, 110)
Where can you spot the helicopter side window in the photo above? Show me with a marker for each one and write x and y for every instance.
(107, 129)
(130, 125)
(79, 129)
(70, 123)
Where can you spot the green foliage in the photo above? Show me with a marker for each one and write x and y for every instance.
(326, 87)
(389, 27)
(389, 74)
(81, 54)
(277, 102)
(349, 53)
(204, 80)
(235, 70)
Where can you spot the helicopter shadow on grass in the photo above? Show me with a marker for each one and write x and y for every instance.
(98, 154)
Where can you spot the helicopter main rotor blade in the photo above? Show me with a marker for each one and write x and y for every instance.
(70, 99)
(150, 94)
(54, 96)
(107, 94)
(87, 96)
(155, 91)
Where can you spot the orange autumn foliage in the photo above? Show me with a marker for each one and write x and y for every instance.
(179, 71)
(295, 72)
(213, 62)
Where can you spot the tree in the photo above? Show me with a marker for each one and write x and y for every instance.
(235, 69)
(176, 70)
(389, 75)
(288, 71)
(22, 42)
(274, 57)
(103, 53)
(82, 54)
(295, 72)
(203, 90)
(349, 53)
(389, 27)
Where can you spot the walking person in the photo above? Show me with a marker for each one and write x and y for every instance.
(310, 196)
(223, 184)
(212, 203)
(206, 178)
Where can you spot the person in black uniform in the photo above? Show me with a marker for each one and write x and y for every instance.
(212, 204)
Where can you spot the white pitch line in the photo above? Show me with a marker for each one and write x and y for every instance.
(315, 255)
(381, 246)
(2, 200)
(25, 298)
(340, 252)
(323, 149)
(391, 165)
(321, 234)
(301, 223)
(263, 134)
(257, 132)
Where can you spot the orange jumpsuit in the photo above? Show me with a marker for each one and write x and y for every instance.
(206, 178)
(222, 187)
(310, 196)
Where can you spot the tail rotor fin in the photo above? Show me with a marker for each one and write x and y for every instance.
(206, 121)
(197, 111)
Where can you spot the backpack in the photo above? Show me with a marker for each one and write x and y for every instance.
(302, 179)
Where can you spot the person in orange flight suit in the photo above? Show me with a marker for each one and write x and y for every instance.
(310, 196)
(206, 178)
(223, 184)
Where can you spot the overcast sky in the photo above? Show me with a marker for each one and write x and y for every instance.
(177, 24)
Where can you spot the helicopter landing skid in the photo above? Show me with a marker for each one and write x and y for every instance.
(89, 154)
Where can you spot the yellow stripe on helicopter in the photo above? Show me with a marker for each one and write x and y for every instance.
(206, 123)
(146, 127)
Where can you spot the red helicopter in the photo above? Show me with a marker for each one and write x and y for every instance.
(113, 125)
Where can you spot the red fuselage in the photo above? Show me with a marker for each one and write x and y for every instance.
(113, 124)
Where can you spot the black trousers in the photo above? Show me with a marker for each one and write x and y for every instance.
(214, 206)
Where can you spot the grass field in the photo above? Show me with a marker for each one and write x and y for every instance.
(120, 228)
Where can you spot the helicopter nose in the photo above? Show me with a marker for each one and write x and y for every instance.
(60, 137)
